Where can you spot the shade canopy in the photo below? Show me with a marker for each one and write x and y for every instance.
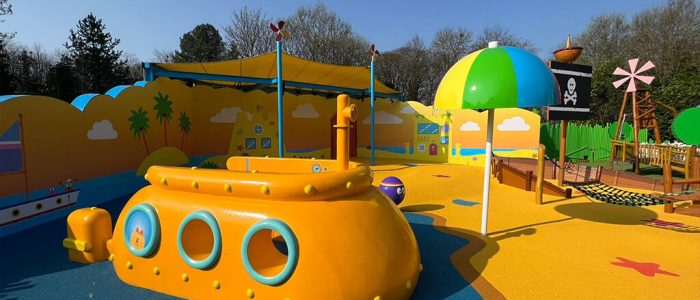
(497, 77)
(262, 70)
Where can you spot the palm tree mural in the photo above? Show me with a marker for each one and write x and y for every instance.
(185, 125)
(164, 112)
(445, 134)
(139, 125)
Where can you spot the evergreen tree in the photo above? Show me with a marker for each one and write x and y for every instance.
(92, 50)
(26, 79)
(62, 80)
(202, 44)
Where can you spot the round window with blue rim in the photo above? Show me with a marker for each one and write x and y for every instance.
(258, 129)
(141, 230)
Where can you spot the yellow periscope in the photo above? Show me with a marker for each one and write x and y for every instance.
(266, 228)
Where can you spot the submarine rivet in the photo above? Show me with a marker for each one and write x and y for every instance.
(164, 181)
(250, 293)
(348, 185)
(265, 190)
(254, 171)
(184, 277)
(111, 257)
(216, 284)
(420, 267)
(227, 187)
(195, 185)
(156, 271)
(378, 298)
(408, 285)
(145, 176)
(129, 265)
(309, 189)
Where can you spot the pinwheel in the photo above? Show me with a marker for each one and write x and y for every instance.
(633, 75)
(279, 31)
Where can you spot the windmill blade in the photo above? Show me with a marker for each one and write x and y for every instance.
(620, 82)
(633, 64)
(648, 65)
(632, 86)
(278, 37)
(619, 71)
(280, 24)
(645, 79)
(274, 28)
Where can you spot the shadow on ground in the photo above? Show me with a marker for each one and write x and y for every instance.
(607, 213)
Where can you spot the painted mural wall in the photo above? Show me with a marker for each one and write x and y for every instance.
(100, 135)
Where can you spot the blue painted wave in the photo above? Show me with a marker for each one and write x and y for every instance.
(478, 151)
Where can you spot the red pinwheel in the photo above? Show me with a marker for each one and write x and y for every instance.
(279, 31)
(373, 53)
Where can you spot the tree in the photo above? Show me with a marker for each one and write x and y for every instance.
(164, 113)
(504, 38)
(185, 126)
(92, 50)
(669, 36)
(202, 44)
(448, 46)
(62, 80)
(404, 69)
(25, 79)
(5, 9)
(139, 125)
(164, 56)
(6, 77)
(318, 34)
(603, 40)
(249, 33)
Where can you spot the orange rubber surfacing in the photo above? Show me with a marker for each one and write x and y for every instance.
(555, 250)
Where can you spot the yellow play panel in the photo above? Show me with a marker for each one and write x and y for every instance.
(563, 249)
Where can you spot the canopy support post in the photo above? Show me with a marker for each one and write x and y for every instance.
(487, 173)
(371, 104)
(280, 96)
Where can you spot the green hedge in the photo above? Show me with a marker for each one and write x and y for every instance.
(582, 140)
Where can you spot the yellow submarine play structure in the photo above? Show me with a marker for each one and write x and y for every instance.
(266, 228)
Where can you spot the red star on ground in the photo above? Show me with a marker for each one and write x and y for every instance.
(239, 148)
(645, 268)
(658, 222)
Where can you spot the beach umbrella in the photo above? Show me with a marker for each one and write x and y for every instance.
(496, 77)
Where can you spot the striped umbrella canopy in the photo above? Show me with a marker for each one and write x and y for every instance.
(497, 77)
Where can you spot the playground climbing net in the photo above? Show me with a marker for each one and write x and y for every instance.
(603, 192)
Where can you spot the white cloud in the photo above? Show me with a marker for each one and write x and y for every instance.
(383, 117)
(305, 111)
(514, 124)
(407, 109)
(470, 126)
(229, 115)
(102, 130)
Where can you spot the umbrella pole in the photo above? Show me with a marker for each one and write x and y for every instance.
(487, 174)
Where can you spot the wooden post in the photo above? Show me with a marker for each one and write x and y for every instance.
(539, 185)
(617, 174)
(24, 156)
(635, 119)
(668, 186)
(695, 171)
(528, 180)
(618, 127)
(562, 153)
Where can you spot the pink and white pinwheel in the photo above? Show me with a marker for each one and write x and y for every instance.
(633, 75)
(279, 31)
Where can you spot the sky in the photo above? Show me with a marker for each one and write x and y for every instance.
(146, 25)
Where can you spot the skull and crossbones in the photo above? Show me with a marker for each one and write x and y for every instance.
(570, 94)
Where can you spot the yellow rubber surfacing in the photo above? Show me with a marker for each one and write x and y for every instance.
(562, 249)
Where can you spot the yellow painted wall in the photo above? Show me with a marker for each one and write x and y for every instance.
(58, 146)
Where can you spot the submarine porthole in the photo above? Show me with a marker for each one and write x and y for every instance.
(199, 240)
(142, 230)
(270, 252)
